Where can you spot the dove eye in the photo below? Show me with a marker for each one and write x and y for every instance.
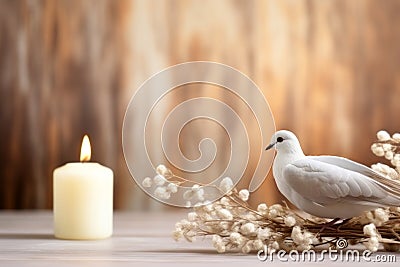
(279, 139)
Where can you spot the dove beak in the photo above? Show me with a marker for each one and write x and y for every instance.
(270, 146)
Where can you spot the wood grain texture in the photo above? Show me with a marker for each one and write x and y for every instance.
(329, 69)
(26, 239)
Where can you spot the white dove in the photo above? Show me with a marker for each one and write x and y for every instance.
(328, 186)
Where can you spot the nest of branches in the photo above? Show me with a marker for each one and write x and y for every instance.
(233, 225)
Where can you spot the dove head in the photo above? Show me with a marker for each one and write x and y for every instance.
(286, 142)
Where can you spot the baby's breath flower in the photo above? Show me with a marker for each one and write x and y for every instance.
(377, 168)
(263, 233)
(177, 234)
(173, 188)
(218, 243)
(159, 180)
(377, 217)
(162, 193)
(275, 245)
(195, 192)
(179, 225)
(396, 160)
(387, 147)
(147, 182)
(200, 194)
(224, 225)
(208, 207)
(296, 235)
(161, 169)
(192, 225)
(247, 247)
(220, 248)
(396, 137)
(290, 221)
(277, 207)
(225, 214)
(192, 216)
(216, 239)
(370, 230)
(244, 194)
(248, 228)
(389, 155)
(393, 174)
(381, 216)
(188, 194)
(372, 244)
(385, 170)
(225, 201)
(258, 244)
(374, 146)
(236, 238)
(226, 184)
(303, 240)
(275, 211)
(195, 187)
(377, 150)
(262, 208)
(383, 135)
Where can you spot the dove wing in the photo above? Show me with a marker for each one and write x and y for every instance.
(388, 184)
(325, 183)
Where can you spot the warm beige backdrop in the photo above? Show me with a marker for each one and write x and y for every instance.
(329, 69)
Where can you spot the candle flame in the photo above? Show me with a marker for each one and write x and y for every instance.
(86, 150)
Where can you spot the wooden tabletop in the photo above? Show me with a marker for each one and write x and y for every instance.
(139, 239)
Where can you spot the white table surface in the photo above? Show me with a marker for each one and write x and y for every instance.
(139, 239)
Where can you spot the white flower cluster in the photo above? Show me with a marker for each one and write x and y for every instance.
(163, 188)
(233, 225)
(389, 147)
(226, 185)
(244, 194)
(372, 242)
(165, 183)
(386, 171)
(186, 229)
(195, 193)
(303, 239)
(378, 216)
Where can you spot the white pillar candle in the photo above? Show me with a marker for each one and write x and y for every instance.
(83, 199)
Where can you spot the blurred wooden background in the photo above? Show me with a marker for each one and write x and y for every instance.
(329, 69)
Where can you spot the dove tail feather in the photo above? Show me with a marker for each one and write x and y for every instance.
(393, 187)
